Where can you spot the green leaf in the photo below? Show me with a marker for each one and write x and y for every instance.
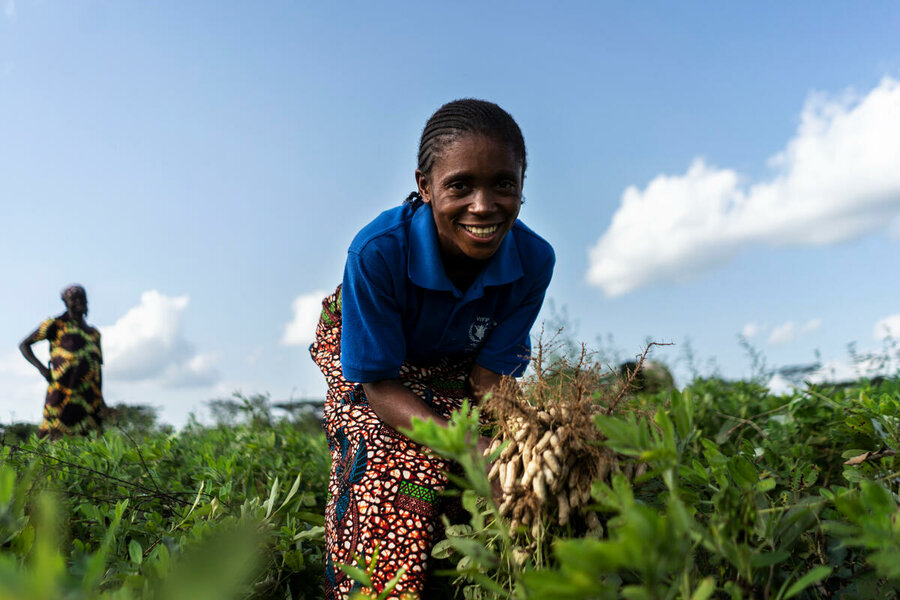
(636, 592)
(310, 517)
(135, 552)
(356, 574)
(705, 589)
(668, 429)
(458, 530)
(765, 485)
(814, 576)
(443, 549)
(316, 533)
(682, 411)
(769, 558)
(292, 491)
(742, 471)
(270, 503)
(7, 485)
(488, 583)
(475, 550)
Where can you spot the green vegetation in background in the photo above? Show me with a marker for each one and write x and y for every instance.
(746, 495)
(210, 512)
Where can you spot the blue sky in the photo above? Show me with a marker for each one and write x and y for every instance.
(201, 167)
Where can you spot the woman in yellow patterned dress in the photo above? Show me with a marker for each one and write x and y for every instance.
(74, 399)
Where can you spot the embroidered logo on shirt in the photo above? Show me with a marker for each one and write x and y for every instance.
(478, 331)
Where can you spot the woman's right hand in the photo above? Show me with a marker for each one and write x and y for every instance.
(45, 372)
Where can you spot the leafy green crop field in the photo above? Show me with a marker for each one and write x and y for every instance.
(741, 495)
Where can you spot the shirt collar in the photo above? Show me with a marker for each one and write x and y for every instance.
(426, 269)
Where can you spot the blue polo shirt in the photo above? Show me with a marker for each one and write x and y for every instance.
(399, 305)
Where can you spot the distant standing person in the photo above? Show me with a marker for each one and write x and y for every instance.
(74, 397)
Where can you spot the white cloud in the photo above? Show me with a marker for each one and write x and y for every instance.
(147, 344)
(301, 330)
(790, 331)
(893, 228)
(836, 179)
(779, 385)
(870, 365)
(750, 330)
(9, 9)
(22, 388)
(887, 328)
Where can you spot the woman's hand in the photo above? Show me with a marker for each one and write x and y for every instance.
(482, 381)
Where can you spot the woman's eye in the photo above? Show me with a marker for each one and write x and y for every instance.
(507, 184)
(457, 186)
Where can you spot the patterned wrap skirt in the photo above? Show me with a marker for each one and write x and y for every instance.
(385, 491)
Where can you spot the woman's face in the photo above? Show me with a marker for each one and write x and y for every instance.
(77, 305)
(475, 192)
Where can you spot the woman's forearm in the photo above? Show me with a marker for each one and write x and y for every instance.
(25, 349)
(396, 405)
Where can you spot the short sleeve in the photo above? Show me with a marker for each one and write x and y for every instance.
(373, 345)
(507, 350)
(46, 330)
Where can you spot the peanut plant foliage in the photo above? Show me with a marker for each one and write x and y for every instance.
(720, 490)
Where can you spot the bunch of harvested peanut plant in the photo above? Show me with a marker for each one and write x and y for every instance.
(553, 452)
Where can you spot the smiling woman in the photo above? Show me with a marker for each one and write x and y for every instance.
(437, 303)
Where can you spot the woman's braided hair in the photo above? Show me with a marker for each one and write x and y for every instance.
(462, 117)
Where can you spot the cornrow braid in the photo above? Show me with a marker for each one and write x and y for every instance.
(461, 117)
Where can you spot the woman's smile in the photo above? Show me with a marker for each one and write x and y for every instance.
(482, 232)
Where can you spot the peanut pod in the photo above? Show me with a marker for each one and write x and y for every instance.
(527, 454)
(550, 461)
(540, 487)
(549, 477)
(493, 447)
(521, 434)
(531, 440)
(513, 528)
(573, 478)
(509, 451)
(507, 477)
(603, 471)
(545, 439)
(555, 443)
(518, 510)
(563, 503)
(530, 471)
